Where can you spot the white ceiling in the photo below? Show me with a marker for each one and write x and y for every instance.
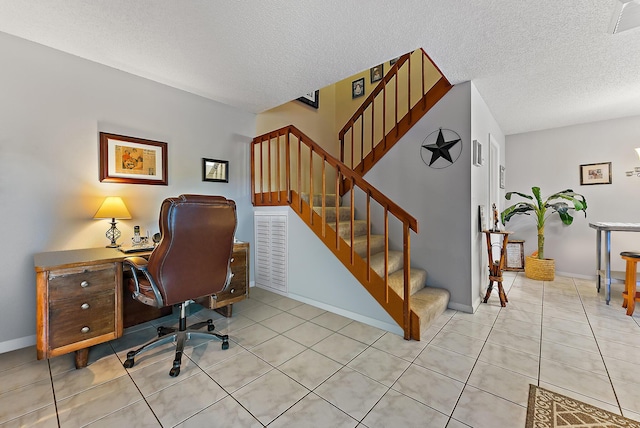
(537, 64)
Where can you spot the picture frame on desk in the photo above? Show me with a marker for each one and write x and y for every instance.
(132, 160)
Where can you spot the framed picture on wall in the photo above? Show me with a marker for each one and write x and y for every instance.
(377, 72)
(215, 170)
(595, 173)
(357, 88)
(310, 99)
(132, 160)
(501, 177)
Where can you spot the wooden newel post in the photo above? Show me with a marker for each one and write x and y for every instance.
(495, 266)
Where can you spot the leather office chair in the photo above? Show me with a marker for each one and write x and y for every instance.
(192, 260)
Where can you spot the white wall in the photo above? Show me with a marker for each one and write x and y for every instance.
(52, 107)
(550, 159)
(483, 124)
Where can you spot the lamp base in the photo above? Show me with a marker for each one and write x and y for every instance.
(113, 234)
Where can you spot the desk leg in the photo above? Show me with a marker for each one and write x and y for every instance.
(598, 257)
(607, 261)
(82, 358)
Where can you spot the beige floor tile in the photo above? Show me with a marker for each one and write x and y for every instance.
(310, 368)
(339, 348)
(259, 398)
(441, 394)
(25, 374)
(396, 345)
(26, 399)
(282, 322)
(362, 332)
(510, 359)
(222, 414)
(184, 399)
(308, 333)
(332, 321)
(480, 409)
(45, 417)
(448, 363)
(351, 392)
(137, 415)
(233, 374)
(379, 366)
(306, 311)
(398, 410)
(504, 383)
(574, 379)
(313, 411)
(278, 350)
(75, 381)
(459, 343)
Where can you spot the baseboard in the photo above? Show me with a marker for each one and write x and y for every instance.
(393, 328)
(19, 343)
(464, 308)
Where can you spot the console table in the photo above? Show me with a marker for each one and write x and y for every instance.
(608, 275)
(79, 298)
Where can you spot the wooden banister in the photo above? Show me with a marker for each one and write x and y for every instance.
(421, 91)
(268, 182)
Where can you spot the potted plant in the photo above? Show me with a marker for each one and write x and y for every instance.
(563, 203)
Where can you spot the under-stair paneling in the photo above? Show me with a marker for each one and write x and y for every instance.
(317, 277)
(271, 250)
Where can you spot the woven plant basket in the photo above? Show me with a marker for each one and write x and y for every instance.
(540, 269)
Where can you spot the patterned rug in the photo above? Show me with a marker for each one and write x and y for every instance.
(550, 410)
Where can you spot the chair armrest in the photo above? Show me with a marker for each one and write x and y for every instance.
(139, 264)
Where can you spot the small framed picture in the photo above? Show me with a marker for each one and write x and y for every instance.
(595, 173)
(377, 72)
(310, 99)
(215, 170)
(514, 256)
(394, 60)
(132, 160)
(357, 88)
(482, 219)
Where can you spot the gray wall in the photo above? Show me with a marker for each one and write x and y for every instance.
(438, 198)
(550, 159)
(52, 107)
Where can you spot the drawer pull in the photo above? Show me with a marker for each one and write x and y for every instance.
(84, 329)
(233, 290)
(84, 284)
(232, 260)
(85, 306)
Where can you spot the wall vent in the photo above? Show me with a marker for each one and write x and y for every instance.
(271, 250)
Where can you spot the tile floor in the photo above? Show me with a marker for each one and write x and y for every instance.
(294, 365)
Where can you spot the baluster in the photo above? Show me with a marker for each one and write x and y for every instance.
(407, 278)
(386, 253)
(311, 185)
(352, 218)
(288, 165)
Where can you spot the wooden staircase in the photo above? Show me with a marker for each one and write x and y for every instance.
(287, 166)
(427, 302)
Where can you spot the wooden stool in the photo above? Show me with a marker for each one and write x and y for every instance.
(630, 296)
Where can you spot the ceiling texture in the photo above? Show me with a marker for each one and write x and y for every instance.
(537, 64)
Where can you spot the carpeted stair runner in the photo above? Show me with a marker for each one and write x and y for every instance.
(427, 302)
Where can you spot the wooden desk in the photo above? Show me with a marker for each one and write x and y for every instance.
(617, 276)
(79, 298)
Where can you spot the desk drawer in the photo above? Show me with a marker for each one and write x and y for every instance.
(77, 282)
(68, 318)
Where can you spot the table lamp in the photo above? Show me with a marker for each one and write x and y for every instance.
(113, 207)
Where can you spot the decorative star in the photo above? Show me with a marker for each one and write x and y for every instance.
(440, 148)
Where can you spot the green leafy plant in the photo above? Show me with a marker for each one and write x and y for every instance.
(563, 203)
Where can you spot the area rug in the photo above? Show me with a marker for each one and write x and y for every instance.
(550, 410)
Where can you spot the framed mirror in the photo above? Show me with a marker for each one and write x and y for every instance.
(215, 170)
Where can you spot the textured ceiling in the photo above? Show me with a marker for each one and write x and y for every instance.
(538, 64)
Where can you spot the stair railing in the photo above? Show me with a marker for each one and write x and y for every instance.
(286, 164)
(412, 86)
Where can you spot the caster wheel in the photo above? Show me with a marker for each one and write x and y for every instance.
(225, 345)
(175, 371)
(129, 362)
(211, 327)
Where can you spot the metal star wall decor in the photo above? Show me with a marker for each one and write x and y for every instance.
(443, 147)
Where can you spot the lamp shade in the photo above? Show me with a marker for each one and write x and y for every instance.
(112, 207)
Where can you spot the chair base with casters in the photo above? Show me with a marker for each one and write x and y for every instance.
(630, 295)
(179, 336)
